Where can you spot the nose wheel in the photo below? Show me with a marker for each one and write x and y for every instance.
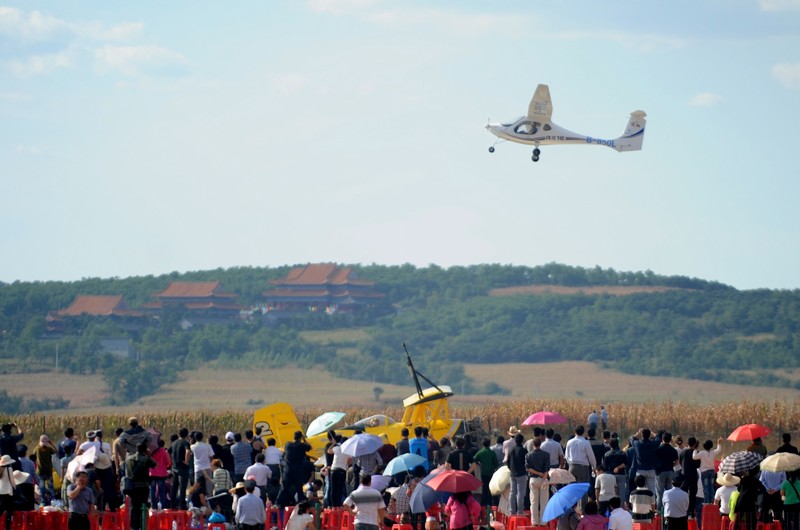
(491, 149)
(536, 153)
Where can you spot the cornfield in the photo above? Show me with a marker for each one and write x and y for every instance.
(701, 420)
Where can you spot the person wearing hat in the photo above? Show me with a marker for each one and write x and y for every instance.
(81, 502)
(509, 444)
(7, 488)
(44, 460)
(225, 456)
(722, 497)
(133, 436)
(8, 441)
(91, 441)
(25, 494)
(250, 513)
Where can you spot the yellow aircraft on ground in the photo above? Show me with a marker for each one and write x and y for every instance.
(426, 408)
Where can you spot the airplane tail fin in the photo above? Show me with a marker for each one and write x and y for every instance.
(277, 421)
(632, 138)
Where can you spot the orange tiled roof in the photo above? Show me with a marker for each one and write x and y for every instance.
(319, 293)
(320, 274)
(98, 306)
(193, 290)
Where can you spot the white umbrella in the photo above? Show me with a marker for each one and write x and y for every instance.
(79, 462)
(323, 423)
(781, 462)
(379, 482)
(500, 480)
(362, 444)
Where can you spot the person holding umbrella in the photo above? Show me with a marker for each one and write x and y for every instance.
(463, 510)
(337, 472)
(751, 492)
(791, 501)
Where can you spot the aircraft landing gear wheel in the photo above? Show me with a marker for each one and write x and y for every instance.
(491, 149)
(535, 158)
(536, 152)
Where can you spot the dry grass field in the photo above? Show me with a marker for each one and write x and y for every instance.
(577, 379)
(216, 400)
(213, 388)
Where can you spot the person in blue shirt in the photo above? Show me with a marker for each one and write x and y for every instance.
(419, 445)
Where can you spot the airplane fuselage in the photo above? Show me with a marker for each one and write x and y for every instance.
(525, 131)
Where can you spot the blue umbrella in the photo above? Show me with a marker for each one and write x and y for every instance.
(403, 463)
(564, 499)
(423, 496)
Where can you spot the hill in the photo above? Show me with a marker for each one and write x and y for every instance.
(638, 323)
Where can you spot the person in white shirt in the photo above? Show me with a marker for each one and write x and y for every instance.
(722, 497)
(366, 505)
(706, 470)
(91, 441)
(605, 489)
(619, 519)
(261, 473)
(338, 473)
(553, 448)
(301, 519)
(203, 453)
(581, 460)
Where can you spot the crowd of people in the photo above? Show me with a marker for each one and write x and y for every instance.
(236, 478)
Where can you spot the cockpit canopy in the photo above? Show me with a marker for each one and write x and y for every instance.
(378, 420)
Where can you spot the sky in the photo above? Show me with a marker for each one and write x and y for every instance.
(147, 137)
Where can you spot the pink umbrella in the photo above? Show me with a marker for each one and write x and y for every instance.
(544, 418)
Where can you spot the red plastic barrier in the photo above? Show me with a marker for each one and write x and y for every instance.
(712, 519)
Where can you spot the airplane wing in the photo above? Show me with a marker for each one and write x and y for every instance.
(541, 107)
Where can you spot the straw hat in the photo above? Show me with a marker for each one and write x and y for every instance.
(6, 460)
(20, 477)
(513, 431)
(44, 439)
(727, 479)
(239, 486)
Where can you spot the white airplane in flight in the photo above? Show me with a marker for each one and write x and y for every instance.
(536, 129)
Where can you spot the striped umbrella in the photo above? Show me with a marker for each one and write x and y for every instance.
(739, 462)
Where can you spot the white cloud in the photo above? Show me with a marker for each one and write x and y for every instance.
(14, 97)
(40, 64)
(339, 7)
(119, 32)
(29, 150)
(289, 83)
(704, 99)
(779, 5)
(788, 74)
(31, 27)
(136, 60)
